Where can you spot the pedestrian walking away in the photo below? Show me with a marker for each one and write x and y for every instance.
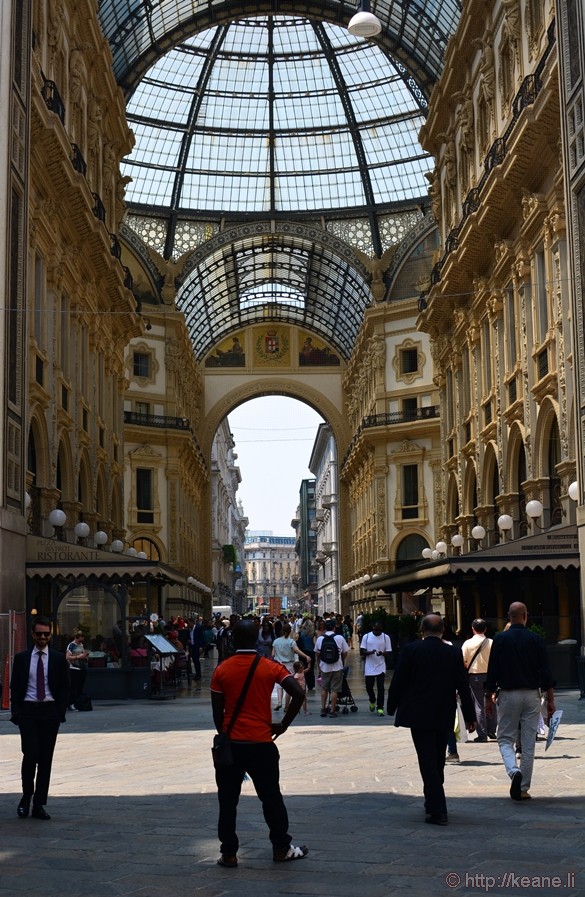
(476, 653)
(39, 692)
(428, 675)
(375, 648)
(252, 740)
(330, 653)
(518, 671)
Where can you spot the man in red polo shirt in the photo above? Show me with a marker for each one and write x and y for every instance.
(252, 738)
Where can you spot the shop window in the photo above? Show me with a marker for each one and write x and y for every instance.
(96, 612)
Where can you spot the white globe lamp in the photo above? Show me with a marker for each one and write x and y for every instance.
(57, 517)
(81, 530)
(534, 509)
(100, 538)
(478, 533)
(574, 491)
(427, 553)
(441, 547)
(117, 546)
(457, 540)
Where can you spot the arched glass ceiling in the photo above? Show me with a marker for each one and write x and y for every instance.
(297, 280)
(271, 116)
(417, 31)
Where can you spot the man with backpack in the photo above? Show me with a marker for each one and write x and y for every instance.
(330, 653)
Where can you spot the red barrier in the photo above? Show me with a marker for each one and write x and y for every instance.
(6, 685)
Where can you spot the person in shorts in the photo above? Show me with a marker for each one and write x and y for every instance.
(331, 673)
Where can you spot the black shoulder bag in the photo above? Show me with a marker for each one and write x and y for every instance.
(221, 750)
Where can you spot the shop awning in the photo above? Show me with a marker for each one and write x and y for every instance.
(554, 549)
(52, 559)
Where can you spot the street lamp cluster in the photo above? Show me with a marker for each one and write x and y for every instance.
(534, 509)
(191, 581)
(362, 580)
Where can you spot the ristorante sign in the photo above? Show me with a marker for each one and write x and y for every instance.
(53, 551)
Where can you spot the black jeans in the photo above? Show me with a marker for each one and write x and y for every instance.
(379, 680)
(39, 727)
(430, 747)
(261, 761)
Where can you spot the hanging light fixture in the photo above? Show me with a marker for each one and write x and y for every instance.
(364, 23)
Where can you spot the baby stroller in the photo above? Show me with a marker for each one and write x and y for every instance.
(345, 701)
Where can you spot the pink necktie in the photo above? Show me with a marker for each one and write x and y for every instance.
(40, 677)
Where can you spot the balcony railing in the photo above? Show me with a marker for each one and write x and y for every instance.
(389, 418)
(526, 96)
(400, 417)
(52, 99)
(77, 160)
(99, 209)
(156, 420)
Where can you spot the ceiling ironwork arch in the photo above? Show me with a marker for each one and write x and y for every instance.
(293, 275)
(139, 31)
(247, 113)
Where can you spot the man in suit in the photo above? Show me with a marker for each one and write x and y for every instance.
(422, 694)
(39, 692)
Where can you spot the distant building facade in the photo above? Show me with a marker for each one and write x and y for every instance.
(271, 571)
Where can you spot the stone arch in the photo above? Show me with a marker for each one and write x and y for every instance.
(65, 470)
(86, 495)
(256, 387)
(101, 495)
(416, 537)
(491, 486)
(452, 502)
(38, 443)
(516, 445)
(547, 418)
(470, 496)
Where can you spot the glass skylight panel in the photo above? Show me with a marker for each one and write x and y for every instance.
(150, 186)
(401, 181)
(326, 153)
(217, 153)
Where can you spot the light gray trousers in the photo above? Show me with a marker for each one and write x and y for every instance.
(518, 708)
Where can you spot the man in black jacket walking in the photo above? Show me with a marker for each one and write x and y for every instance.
(39, 692)
(422, 694)
(519, 671)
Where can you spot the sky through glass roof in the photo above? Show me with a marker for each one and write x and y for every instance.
(274, 115)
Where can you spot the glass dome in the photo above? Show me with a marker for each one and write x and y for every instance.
(273, 116)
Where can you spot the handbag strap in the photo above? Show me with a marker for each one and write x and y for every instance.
(476, 653)
(240, 701)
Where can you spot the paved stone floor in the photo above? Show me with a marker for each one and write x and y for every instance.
(134, 810)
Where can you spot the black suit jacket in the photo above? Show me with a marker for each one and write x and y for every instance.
(423, 689)
(58, 676)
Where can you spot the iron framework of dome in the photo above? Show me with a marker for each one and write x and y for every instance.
(273, 118)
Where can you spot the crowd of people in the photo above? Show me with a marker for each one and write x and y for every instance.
(501, 689)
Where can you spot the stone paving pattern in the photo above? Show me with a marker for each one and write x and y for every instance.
(134, 810)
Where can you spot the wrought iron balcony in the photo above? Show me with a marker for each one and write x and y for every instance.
(77, 160)
(115, 247)
(400, 417)
(99, 209)
(52, 99)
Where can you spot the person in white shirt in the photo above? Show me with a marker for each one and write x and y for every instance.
(476, 654)
(374, 648)
(331, 673)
